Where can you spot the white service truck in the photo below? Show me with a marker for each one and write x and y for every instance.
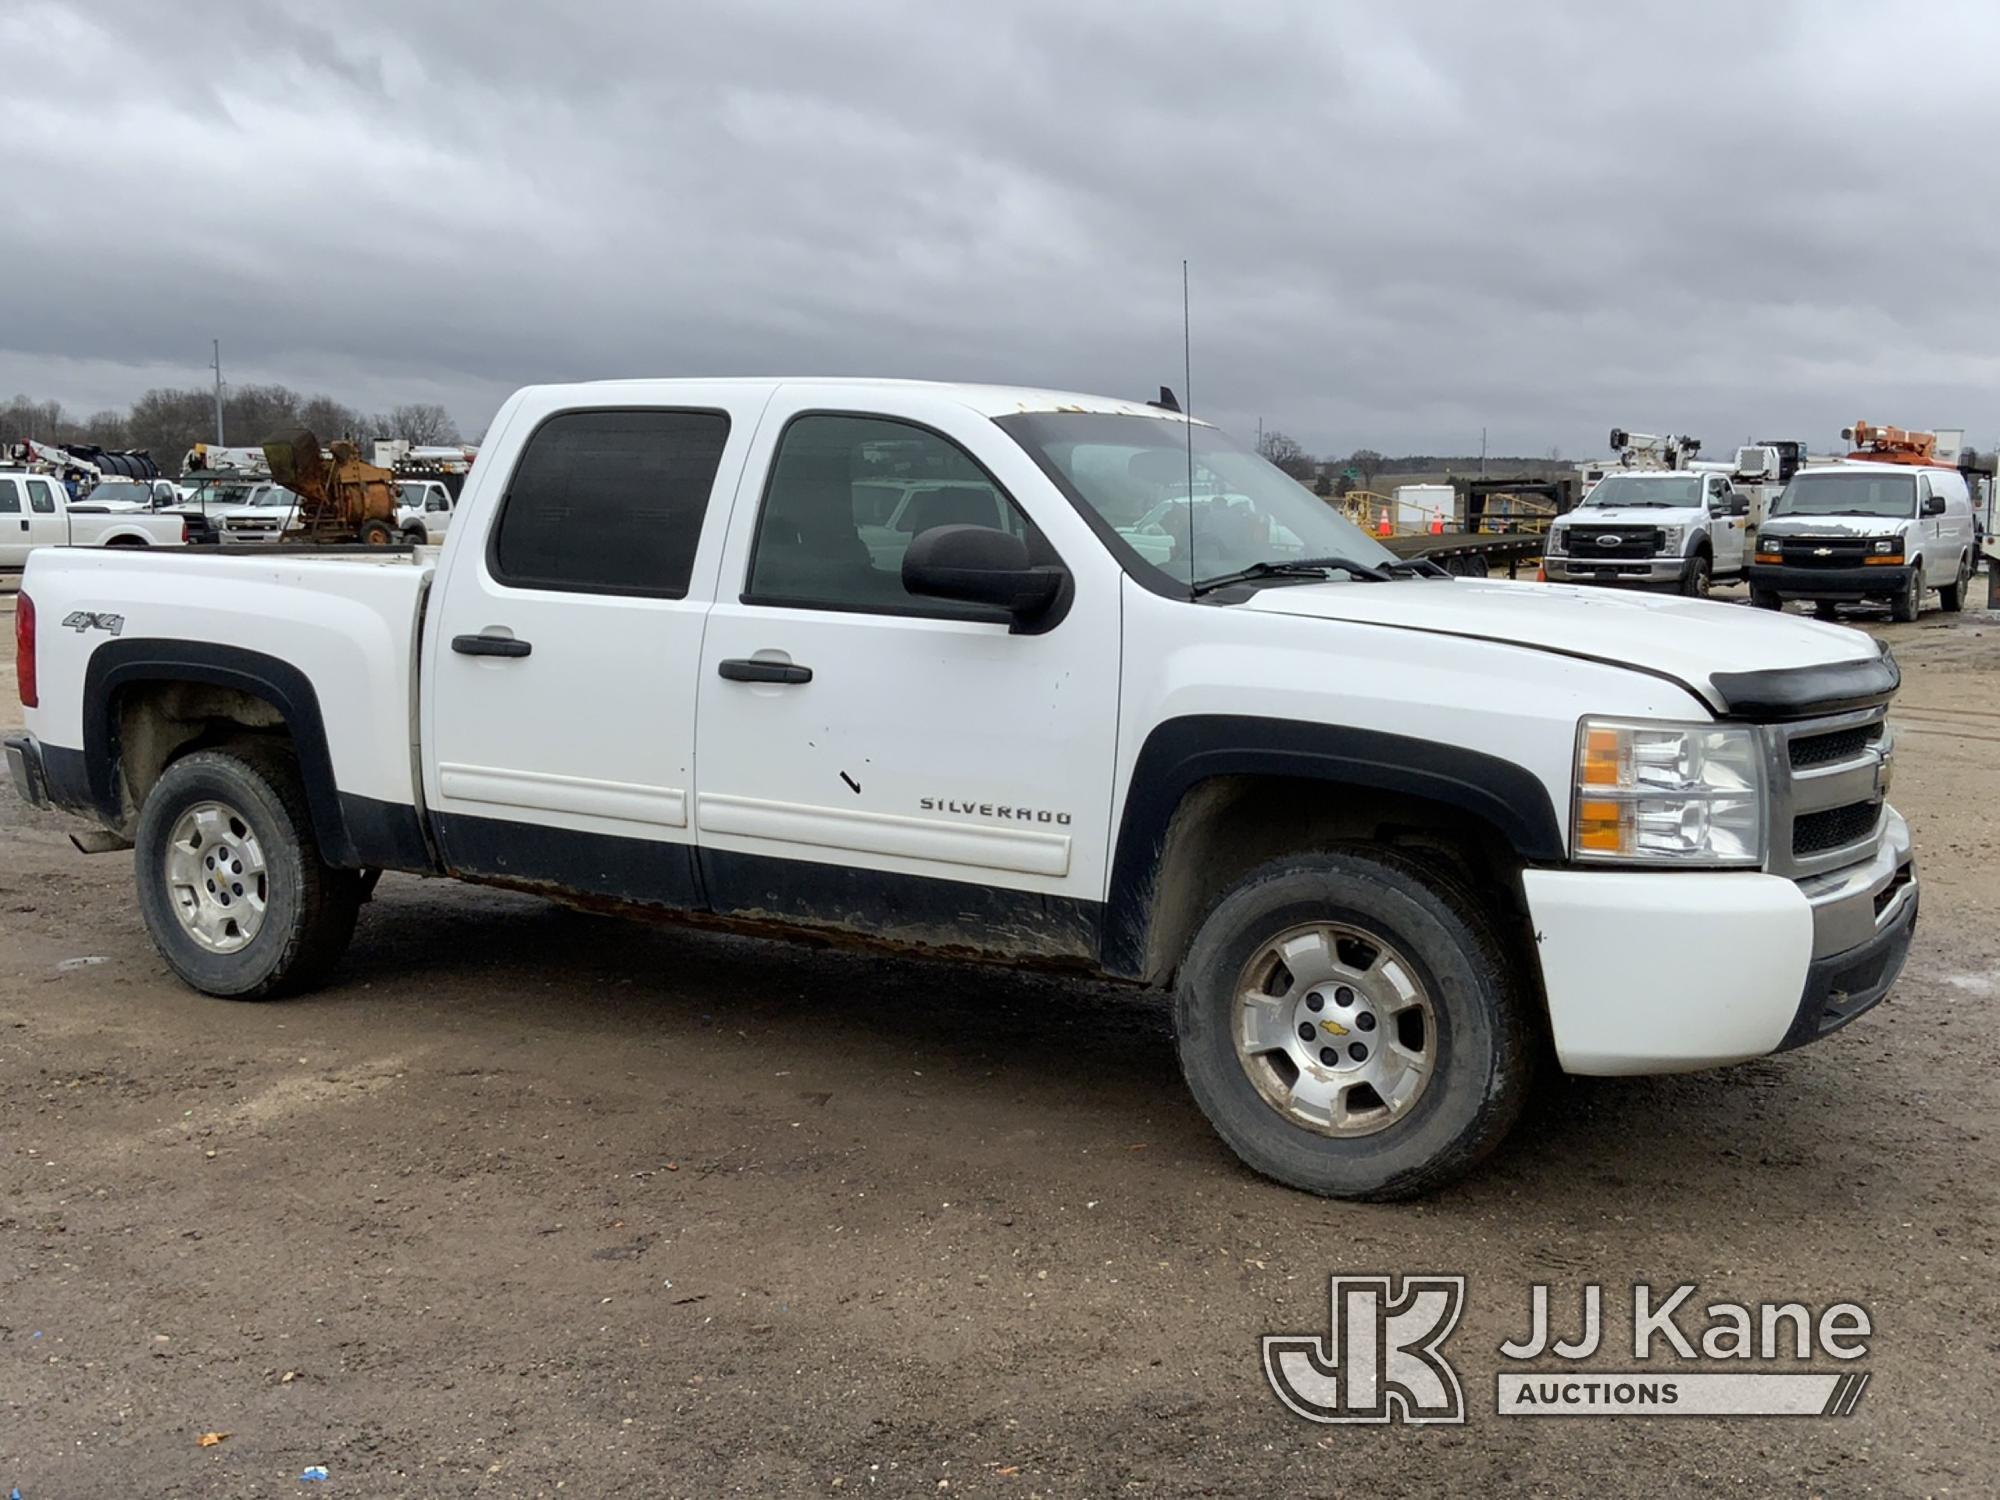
(1677, 528)
(1385, 836)
(36, 511)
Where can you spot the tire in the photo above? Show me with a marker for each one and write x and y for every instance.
(1951, 598)
(378, 534)
(1907, 605)
(1697, 576)
(308, 909)
(1476, 1026)
(414, 537)
(1826, 609)
(1765, 599)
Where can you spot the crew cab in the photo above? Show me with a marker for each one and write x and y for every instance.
(1384, 836)
(1854, 531)
(36, 511)
(1677, 528)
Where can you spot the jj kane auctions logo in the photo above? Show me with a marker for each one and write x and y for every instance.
(1383, 1358)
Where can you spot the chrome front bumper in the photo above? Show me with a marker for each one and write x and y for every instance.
(1852, 906)
(1566, 569)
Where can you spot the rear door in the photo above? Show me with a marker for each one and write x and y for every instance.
(906, 765)
(562, 655)
(15, 534)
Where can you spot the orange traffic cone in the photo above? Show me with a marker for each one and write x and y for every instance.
(1437, 524)
(1541, 575)
(1382, 526)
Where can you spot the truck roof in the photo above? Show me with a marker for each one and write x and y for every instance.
(988, 400)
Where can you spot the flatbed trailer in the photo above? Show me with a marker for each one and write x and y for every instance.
(1471, 552)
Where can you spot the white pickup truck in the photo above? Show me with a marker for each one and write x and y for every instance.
(1385, 836)
(35, 511)
(1680, 528)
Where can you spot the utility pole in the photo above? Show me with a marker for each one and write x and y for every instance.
(217, 367)
(1482, 452)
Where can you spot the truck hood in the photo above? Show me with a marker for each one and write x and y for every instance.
(1631, 515)
(1862, 526)
(1690, 641)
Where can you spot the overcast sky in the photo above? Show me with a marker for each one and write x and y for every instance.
(1404, 220)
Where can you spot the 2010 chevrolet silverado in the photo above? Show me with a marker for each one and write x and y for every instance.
(1386, 836)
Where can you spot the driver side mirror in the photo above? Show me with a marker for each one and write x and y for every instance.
(981, 565)
(1934, 506)
(1739, 505)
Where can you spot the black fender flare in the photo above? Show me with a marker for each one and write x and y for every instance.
(352, 831)
(1182, 753)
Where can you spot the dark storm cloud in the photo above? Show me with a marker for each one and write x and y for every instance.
(1405, 221)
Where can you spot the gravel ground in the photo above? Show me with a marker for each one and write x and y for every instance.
(533, 1202)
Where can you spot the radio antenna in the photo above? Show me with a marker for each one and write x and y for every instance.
(1187, 416)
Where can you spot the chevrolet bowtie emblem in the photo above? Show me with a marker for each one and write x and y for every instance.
(1333, 1028)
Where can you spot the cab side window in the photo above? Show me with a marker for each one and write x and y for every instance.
(41, 497)
(609, 502)
(10, 498)
(845, 498)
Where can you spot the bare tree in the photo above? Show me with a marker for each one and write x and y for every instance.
(1285, 452)
(1367, 463)
(423, 422)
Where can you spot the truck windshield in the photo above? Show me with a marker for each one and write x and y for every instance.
(1828, 492)
(1674, 490)
(1131, 473)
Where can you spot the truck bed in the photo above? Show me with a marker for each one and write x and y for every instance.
(344, 625)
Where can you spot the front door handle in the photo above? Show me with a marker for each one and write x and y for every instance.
(749, 669)
(489, 645)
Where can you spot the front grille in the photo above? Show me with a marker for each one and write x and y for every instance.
(1825, 551)
(1612, 541)
(1825, 749)
(1833, 827)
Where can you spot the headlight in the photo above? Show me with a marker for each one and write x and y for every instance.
(1670, 540)
(1557, 544)
(1669, 794)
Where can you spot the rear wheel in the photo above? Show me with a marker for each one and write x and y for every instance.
(1907, 605)
(377, 534)
(1350, 1025)
(1951, 598)
(231, 884)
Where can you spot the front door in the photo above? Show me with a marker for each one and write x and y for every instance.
(562, 655)
(1726, 532)
(875, 760)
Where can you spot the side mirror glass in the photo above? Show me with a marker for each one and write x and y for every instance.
(1934, 506)
(1740, 506)
(980, 565)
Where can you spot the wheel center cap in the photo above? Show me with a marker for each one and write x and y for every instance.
(1336, 1029)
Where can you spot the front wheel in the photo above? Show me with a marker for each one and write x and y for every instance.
(1951, 598)
(231, 884)
(1907, 605)
(1697, 577)
(1351, 1026)
(1765, 599)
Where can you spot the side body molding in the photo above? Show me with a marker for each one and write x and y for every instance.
(1182, 753)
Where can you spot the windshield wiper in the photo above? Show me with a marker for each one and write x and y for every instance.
(1290, 567)
(1420, 567)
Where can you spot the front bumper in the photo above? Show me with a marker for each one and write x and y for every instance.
(1667, 972)
(1829, 583)
(1566, 569)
